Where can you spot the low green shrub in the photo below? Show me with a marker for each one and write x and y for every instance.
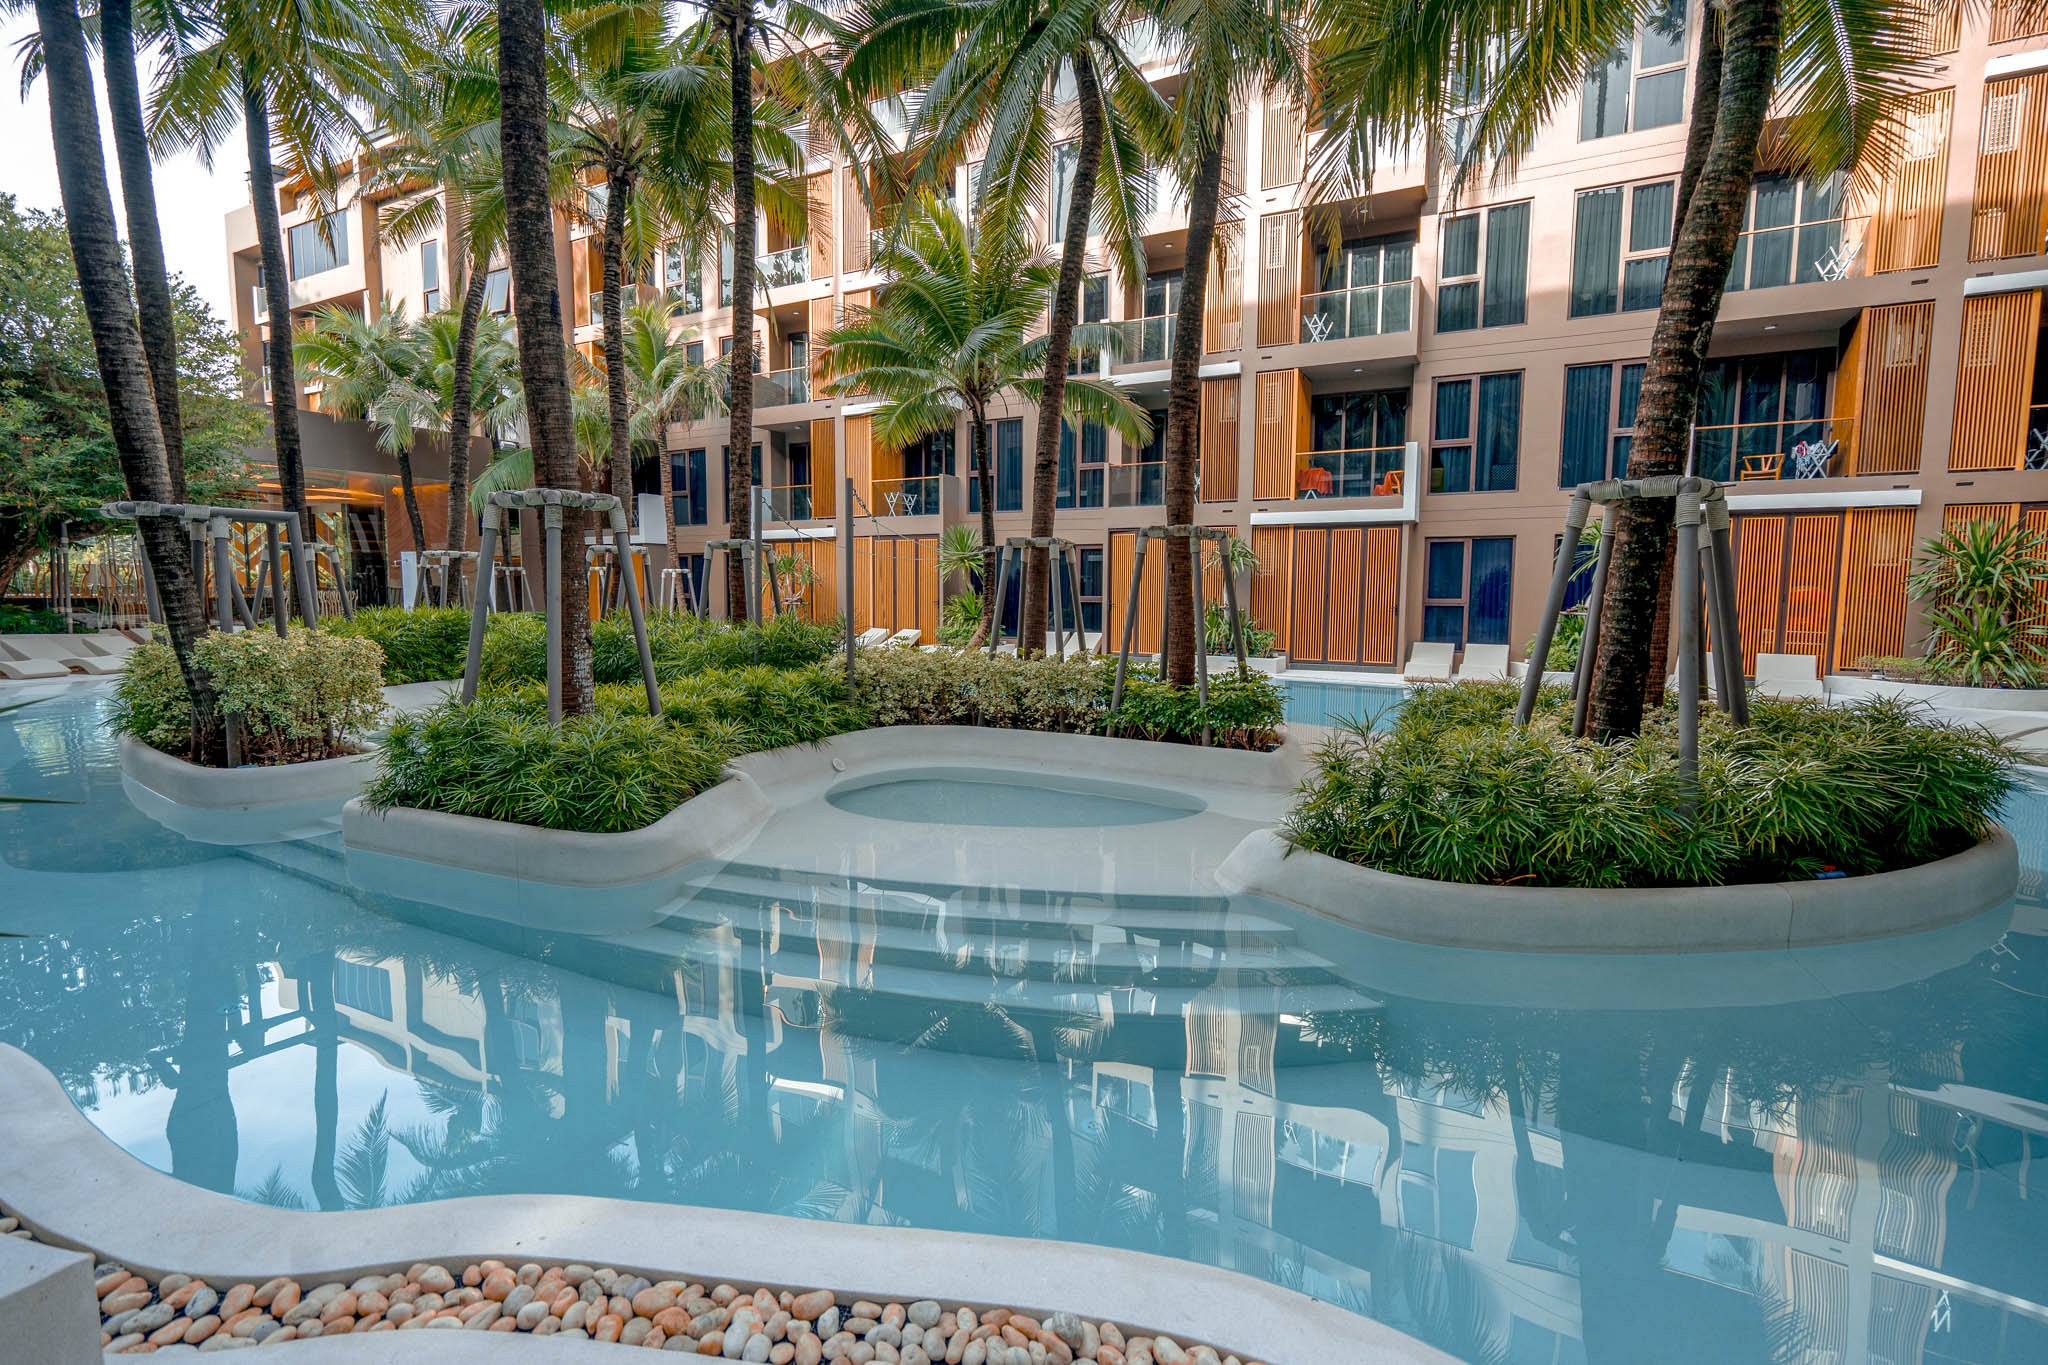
(750, 709)
(1564, 642)
(1216, 633)
(954, 687)
(427, 645)
(497, 758)
(304, 696)
(16, 620)
(1243, 713)
(515, 647)
(958, 617)
(1454, 792)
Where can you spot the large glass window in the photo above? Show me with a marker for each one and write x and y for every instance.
(1364, 289)
(1006, 438)
(1066, 159)
(319, 245)
(681, 280)
(1621, 247)
(1468, 585)
(1791, 233)
(1641, 86)
(1483, 273)
(691, 500)
(1092, 576)
(1081, 473)
(430, 276)
(1094, 303)
(1356, 440)
(498, 291)
(1477, 436)
(1599, 421)
(1754, 409)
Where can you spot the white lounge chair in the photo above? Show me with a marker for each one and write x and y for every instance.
(908, 636)
(108, 644)
(1790, 677)
(1483, 663)
(872, 636)
(1429, 662)
(64, 651)
(1706, 675)
(19, 668)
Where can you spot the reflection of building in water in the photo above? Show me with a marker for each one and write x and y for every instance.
(1880, 1217)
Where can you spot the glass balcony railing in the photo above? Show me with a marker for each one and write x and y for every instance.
(1369, 310)
(1800, 253)
(785, 267)
(914, 497)
(777, 387)
(1743, 452)
(1138, 485)
(2036, 456)
(1368, 472)
(790, 501)
(1147, 339)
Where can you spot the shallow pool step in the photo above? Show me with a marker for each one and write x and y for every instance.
(319, 858)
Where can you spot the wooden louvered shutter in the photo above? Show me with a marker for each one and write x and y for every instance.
(1877, 556)
(1994, 380)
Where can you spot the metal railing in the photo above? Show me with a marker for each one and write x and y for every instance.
(791, 266)
(790, 501)
(1800, 253)
(916, 497)
(1744, 452)
(1369, 310)
(1149, 338)
(1138, 485)
(776, 387)
(2036, 456)
(1365, 472)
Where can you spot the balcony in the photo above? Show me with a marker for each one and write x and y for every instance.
(775, 388)
(915, 497)
(1749, 452)
(1147, 340)
(1369, 310)
(1138, 485)
(789, 501)
(1800, 253)
(780, 268)
(1368, 472)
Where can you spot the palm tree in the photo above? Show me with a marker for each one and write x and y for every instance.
(290, 74)
(1235, 50)
(1840, 74)
(947, 336)
(1000, 72)
(117, 345)
(530, 234)
(359, 363)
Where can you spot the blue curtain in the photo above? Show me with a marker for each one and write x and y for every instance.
(1493, 578)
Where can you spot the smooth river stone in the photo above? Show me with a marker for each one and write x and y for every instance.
(809, 1306)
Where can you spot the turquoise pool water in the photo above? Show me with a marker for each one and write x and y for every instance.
(1832, 1155)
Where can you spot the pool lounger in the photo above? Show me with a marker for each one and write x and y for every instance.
(52, 656)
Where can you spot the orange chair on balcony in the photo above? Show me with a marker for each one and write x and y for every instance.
(1313, 482)
(1761, 465)
(1390, 486)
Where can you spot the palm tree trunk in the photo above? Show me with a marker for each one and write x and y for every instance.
(530, 238)
(1700, 257)
(738, 18)
(117, 347)
(985, 482)
(277, 293)
(613, 276)
(1045, 464)
(461, 392)
(409, 493)
(145, 236)
(1183, 634)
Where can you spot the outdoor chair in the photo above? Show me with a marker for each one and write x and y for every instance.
(1429, 662)
(1768, 465)
(871, 637)
(1789, 677)
(2037, 448)
(905, 637)
(17, 667)
(1483, 663)
(110, 644)
(65, 652)
(1811, 459)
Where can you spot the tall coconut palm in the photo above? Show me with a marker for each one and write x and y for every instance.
(1836, 72)
(359, 363)
(292, 74)
(1234, 50)
(947, 336)
(537, 298)
(1004, 72)
(117, 346)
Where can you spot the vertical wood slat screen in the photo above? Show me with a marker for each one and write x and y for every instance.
(1892, 405)
(1223, 308)
(1380, 597)
(1907, 233)
(821, 595)
(1274, 546)
(1938, 26)
(824, 469)
(1963, 513)
(853, 237)
(1279, 265)
(1273, 436)
(1759, 578)
(1280, 144)
(580, 273)
(1848, 403)
(1123, 547)
(1812, 566)
(818, 191)
(1347, 568)
(1343, 590)
(896, 583)
(2012, 169)
(2012, 19)
(1311, 591)
(1220, 429)
(1233, 153)
(1877, 557)
(860, 466)
(820, 312)
(1994, 380)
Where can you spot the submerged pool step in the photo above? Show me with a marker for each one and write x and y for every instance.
(319, 858)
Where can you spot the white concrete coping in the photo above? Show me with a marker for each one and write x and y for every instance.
(238, 806)
(1703, 919)
(1854, 687)
(47, 1311)
(74, 1187)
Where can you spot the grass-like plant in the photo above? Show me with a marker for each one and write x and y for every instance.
(1242, 713)
(515, 648)
(307, 695)
(424, 645)
(1454, 792)
(1982, 583)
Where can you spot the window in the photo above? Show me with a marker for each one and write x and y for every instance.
(1478, 436)
(1791, 233)
(1066, 160)
(498, 291)
(1642, 86)
(1599, 421)
(1469, 584)
(1321, 1154)
(1759, 405)
(1092, 574)
(1123, 1096)
(1357, 440)
(362, 987)
(319, 245)
(1006, 439)
(1362, 290)
(1498, 296)
(1438, 1198)
(683, 282)
(1081, 473)
(430, 275)
(1094, 308)
(691, 502)
(1621, 247)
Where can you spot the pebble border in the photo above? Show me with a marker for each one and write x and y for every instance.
(180, 1315)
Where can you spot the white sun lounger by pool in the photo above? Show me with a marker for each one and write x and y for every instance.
(1484, 663)
(1789, 677)
(905, 637)
(1429, 662)
(108, 644)
(873, 635)
(64, 651)
(16, 667)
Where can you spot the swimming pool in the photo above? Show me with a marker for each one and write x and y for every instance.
(1794, 1156)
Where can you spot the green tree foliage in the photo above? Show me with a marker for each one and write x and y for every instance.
(58, 462)
(1982, 584)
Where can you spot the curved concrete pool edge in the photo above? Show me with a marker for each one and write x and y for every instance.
(1665, 920)
(74, 1187)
